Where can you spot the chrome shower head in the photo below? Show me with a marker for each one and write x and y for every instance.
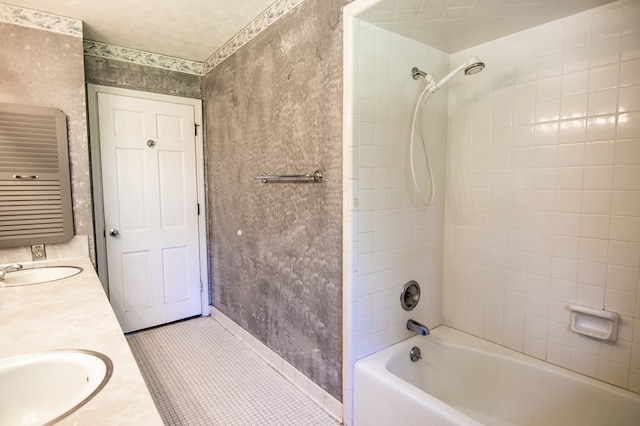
(474, 67)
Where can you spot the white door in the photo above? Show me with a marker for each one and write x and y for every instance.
(148, 158)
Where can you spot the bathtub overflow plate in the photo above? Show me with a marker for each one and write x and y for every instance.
(410, 295)
(415, 354)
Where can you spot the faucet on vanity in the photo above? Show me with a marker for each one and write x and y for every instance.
(14, 267)
(418, 328)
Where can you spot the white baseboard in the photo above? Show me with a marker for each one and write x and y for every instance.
(328, 403)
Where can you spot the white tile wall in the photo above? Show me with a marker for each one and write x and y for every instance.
(397, 240)
(389, 240)
(543, 191)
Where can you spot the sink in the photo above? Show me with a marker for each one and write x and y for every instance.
(44, 387)
(39, 275)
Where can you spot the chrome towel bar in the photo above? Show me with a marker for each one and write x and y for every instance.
(315, 177)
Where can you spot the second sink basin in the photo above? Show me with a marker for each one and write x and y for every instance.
(44, 387)
(39, 275)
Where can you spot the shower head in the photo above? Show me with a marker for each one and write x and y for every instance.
(472, 66)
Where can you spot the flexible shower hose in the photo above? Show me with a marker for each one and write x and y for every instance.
(422, 99)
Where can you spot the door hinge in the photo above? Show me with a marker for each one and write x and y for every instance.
(196, 125)
(198, 209)
(201, 287)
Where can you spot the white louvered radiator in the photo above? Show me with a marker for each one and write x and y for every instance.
(35, 188)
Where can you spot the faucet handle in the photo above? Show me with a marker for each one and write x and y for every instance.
(415, 354)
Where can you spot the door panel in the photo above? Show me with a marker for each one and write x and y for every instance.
(170, 127)
(171, 175)
(128, 123)
(131, 172)
(136, 281)
(176, 274)
(150, 197)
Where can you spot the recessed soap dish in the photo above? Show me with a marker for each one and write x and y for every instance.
(593, 322)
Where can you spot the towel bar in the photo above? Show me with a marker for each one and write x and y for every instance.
(315, 177)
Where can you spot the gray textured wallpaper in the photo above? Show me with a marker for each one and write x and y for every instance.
(114, 73)
(275, 106)
(45, 68)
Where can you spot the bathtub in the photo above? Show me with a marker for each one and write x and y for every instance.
(464, 380)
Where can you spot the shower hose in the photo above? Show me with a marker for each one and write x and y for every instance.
(422, 99)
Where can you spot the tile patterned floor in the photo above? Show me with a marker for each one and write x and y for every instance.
(200, 374)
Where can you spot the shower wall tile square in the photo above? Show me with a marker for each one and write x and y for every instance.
(543, 205)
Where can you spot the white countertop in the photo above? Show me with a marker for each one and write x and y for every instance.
(74, 313)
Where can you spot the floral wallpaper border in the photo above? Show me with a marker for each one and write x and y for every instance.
(268, 17)
(45, 21)
(103, 50)
(40, 20)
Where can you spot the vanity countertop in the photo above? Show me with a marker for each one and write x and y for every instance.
(74, 313)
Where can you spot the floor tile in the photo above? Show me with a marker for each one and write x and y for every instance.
(200, 374)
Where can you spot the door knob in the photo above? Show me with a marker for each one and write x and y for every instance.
(114, 232)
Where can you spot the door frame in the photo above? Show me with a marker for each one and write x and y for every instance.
(96, 177)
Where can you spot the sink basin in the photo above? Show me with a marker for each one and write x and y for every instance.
(39, 275)
(44, 387)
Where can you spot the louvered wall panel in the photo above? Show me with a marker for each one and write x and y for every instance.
(35, 190)
(28, 143)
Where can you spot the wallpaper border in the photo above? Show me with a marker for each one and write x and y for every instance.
(40, 20)
(49, 22)
(264, 20)
(125, 54)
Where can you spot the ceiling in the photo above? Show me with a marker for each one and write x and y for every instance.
(454, 25)
(195, 29)
(187, 29)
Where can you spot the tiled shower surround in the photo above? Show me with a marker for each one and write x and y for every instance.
(542, 202)
(394, 241)
(543, 191)
(388, 240)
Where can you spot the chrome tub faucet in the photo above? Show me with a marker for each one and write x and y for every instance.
(418, 328)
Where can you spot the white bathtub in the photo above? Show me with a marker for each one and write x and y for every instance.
(463, 380)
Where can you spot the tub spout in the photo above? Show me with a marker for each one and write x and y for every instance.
(416, 327)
